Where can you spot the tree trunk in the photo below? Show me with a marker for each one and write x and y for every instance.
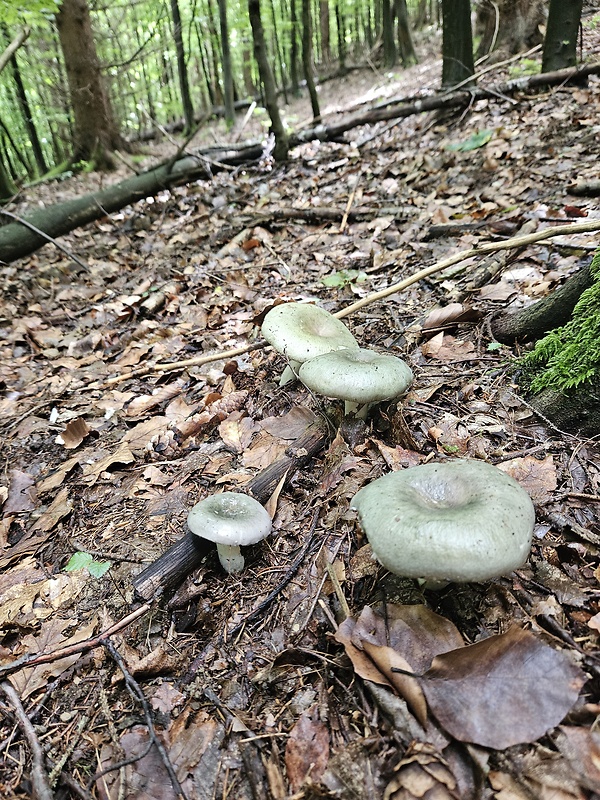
(553, 311)
(184, 83)
(325, 35)
(294, 48)
(457, 43)
(406, 47)
(7, 188)
(266, 75)
(560, 43)
(227, 70)
(577, 411)
(509, 26)
(96, 134)
(340, 22)
(389, 45)
(307, 61)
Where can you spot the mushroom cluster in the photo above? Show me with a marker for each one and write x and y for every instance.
(301, 331)
(456, 521)
(327, 358)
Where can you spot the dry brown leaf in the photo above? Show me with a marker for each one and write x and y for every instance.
(123, 455)
(265, 450)
(537, 476)
(453, 313)
(505, 690)
(140, 436)
(236, 431)
(60, 507)
(291, 425)
(397, 457)
(307, 751)
(55, 480)
(30, 679)
(74, 433)
(581, 748)
(22, 495)
(145, 402)
(446, 348)
(422, 773)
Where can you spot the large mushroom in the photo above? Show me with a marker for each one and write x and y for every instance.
(230, 519)
(301, 331)
(455, 521)
(359, 376)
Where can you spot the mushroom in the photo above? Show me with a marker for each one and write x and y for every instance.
(230, 519)
(301, 331)
(360, 377)
(454, 521)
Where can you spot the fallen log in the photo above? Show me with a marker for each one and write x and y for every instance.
(186, 555)
(18, 240)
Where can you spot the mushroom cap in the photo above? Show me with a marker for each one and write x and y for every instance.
(301, 331)
(358, 375)
(456, 521)
(230, 518)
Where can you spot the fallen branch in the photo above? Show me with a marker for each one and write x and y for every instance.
(17, 241)
(186, 555)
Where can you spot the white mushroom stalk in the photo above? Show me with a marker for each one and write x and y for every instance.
(358, 376)
(301, 331)
(230, 519)
(456, 521)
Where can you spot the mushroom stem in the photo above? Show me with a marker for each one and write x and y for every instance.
(359, 411)
(230, 557)
(290, 373)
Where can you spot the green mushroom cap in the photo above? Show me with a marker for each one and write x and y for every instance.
(456, 521)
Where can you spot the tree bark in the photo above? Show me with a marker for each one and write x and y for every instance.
(96, 131)
(553, 311)
(457, 42)
(509, 25)
(184, 83)
(406, 47)
(560, 43)
(266, 75)
(307, 61)
(227, 70)
(389, 45)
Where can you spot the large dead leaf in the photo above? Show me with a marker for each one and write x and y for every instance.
(538, 476)
(307, 751)
(291, 425)
(21, 493)
(236, 431)
(505, 690)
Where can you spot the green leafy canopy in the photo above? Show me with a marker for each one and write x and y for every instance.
(24, 12)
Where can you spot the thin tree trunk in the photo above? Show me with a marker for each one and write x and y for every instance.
(457, 42)
(227, 70)
(325, 34)
(184, 83)
(294, 48)
(389, 46)
(307, 60)
(406, 47)
(266, 75)
(341, 35)
(560, 44)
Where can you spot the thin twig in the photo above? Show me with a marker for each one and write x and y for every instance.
(39, 779)
(489, 247)
(136, 692)
(45, 236)
(73, 649)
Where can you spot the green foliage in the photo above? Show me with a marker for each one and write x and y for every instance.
(526, 66)
(569, 356)
(475, 141)
(494, 346)
(82, 560)
(344, 277)
(26, 12)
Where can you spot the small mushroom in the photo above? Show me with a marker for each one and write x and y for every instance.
(230, 519)
(360, 377)
(455, 521)
(301, 331)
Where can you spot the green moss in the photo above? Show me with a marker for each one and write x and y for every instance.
(569, 356)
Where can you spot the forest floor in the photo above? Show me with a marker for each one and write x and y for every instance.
(276, 682)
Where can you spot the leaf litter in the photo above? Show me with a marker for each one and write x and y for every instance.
(113, 426)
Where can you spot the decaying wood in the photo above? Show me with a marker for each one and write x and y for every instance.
(173, 566)
(16, 240)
